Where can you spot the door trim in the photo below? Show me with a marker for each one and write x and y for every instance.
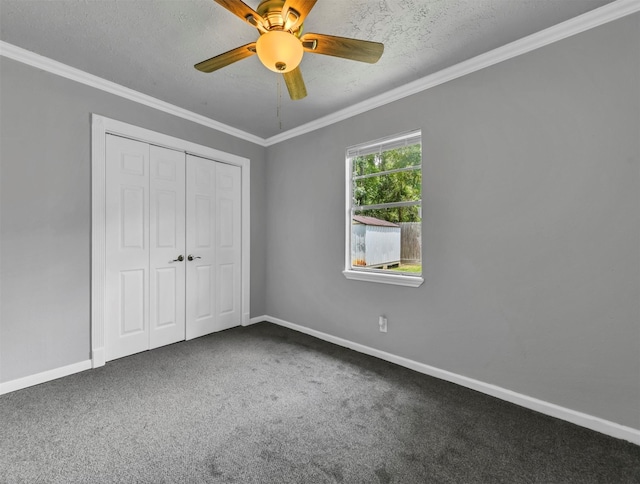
(100, 127)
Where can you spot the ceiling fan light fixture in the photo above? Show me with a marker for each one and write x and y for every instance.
(279, 51)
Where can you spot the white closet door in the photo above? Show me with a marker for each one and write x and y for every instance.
(228, 245)
(214, 235)
(167, 246)
(160, 208)
(201, 287)
(127, 247)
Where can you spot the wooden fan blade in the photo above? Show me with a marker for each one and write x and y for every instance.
(295, 84)
(354, 49)
(244, 11)
(295, 11)
(223, 60)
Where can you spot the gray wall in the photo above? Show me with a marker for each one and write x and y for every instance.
(531, 236)
(45, 212)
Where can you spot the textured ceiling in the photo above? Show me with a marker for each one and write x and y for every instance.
(151, 46)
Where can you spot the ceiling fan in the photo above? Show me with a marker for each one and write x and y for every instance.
(281, 44)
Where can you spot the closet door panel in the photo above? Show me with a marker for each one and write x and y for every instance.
(127, 247)
(200, 264)
(228, 244)
(167, 246)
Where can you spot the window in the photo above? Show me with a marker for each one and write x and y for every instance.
(384, 211)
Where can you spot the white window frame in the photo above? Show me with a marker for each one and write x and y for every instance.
(370, 275)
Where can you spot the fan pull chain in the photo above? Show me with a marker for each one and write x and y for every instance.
(279, 108)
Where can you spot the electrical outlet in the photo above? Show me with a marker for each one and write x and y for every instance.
(382, 321)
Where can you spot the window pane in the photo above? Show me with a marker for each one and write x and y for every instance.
(379, 241)
(404, 186)
(388, 160)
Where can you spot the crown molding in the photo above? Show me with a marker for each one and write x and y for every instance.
(40, 62)
(576, 25)
(586, 21)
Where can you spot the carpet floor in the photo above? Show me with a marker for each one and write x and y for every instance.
(264, 404)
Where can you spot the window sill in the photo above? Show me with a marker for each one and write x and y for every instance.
(395, 279)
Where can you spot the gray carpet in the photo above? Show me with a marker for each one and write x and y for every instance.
(264, 404)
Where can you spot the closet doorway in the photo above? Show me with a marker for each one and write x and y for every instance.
(170, 255)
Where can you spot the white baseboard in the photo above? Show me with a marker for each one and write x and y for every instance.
(259, 319)
(584, 420)
(45, 376)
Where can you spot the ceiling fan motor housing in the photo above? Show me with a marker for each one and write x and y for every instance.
(271, 12)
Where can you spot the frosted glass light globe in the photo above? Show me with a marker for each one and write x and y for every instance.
(279, 51)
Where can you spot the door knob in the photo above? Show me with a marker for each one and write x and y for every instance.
(190, 257)
(179, 259)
